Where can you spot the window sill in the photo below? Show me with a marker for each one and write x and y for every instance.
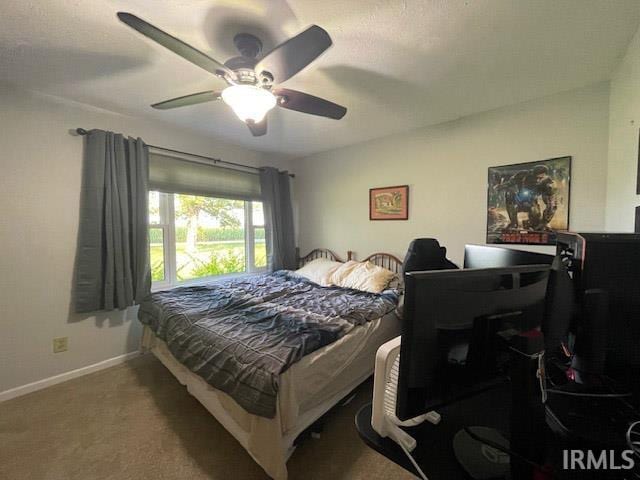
(204, 280)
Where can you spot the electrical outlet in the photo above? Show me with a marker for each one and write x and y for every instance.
(60, 344)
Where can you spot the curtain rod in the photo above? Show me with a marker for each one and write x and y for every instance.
(216, 161)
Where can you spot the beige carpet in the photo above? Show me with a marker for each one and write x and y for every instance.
(135, 421)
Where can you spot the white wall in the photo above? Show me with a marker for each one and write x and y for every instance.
(446, 168)
(624, 124)
(40, 173)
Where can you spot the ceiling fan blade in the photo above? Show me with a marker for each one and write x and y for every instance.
(305, 103)
(288, 58)
(175, 45)
(258, 129)
(187, 100)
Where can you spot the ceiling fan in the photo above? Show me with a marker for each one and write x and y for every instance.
(251, 77)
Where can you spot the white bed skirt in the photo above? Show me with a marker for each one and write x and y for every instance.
(307, 391)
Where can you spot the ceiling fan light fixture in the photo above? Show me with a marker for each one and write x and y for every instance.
(249, 102)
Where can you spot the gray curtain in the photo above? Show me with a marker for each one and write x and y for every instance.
(112, 260)
(278, 215)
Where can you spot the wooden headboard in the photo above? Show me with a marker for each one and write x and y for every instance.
(386, 260)
(319, 253)
(381, 259)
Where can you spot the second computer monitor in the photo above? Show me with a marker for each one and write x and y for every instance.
(449, 330)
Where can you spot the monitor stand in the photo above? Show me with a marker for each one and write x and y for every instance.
(480, 460)
(481, 450)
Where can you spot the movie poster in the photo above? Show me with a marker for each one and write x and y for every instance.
(527, 202)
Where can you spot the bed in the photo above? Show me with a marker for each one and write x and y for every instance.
(307, 388)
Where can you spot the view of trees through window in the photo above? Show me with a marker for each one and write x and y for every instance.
(210, 236)
(195, 237)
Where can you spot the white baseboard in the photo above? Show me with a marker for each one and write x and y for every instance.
(63, 377)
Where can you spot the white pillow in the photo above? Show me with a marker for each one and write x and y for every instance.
(319, 270)
(340, 274)
(362, 276)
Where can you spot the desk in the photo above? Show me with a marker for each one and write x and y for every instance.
(434, 452)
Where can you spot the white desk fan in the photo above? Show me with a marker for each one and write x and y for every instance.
(385, 387)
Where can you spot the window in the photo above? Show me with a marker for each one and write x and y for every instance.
(260, 247)
(157, 240)
(195, 237)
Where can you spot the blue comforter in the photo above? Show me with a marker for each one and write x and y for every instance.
(240, 335)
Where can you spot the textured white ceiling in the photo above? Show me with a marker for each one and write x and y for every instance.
(396, 65)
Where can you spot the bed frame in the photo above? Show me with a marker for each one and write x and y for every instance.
(386, 260)
(319, 253)
(381, 259)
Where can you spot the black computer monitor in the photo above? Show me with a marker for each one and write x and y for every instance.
(486, 256)
(449, 330)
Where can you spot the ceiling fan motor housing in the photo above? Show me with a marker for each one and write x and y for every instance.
(243, 68)
(250, 47)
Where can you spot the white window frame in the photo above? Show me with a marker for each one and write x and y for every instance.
(250, 240)
(167, 224)
(168, 234)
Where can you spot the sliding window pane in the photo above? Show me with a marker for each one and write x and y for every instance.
(156, 254)
(210, 237)
(258, 214)
(154, 207)
(260, 248)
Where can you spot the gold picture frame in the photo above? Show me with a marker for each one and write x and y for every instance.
(389, 203)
